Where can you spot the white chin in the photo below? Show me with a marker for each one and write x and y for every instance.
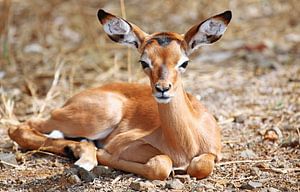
(163, 101)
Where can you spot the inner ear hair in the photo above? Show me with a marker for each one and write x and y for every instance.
(208, 31)
(121, 31)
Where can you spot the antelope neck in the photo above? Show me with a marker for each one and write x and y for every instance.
(178, 121)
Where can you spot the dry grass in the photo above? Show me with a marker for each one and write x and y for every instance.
(51, 49)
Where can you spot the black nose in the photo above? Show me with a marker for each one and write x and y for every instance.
(160, 88)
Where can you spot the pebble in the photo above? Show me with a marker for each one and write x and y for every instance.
(287, 127)
(248, 154)
(174, 184)
(85, 175)
(141, 185)
(240, 118)
(252, 185)
(74, 179)
(255, 123)
(7, 145)
(255, 171)
(159, 183)
(183, 178)
(102, 171)
(272, 189)
(71, 171)
(273, 134)
(8, 158)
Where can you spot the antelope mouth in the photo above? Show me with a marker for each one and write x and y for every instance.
(163, 99)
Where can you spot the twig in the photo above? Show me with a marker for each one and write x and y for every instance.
(282, 171)
(10, 164)
(46, 153)
(123, 11)
(129, 66)
(242, 179)
(242, 161)
(51, 93)
(298, 132)
(116, 179)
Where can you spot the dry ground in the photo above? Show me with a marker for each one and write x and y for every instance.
(250, 81)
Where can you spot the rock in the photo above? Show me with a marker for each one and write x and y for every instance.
(73, 179)
(102, 171)
(291, 143)
(159, 183)
(287, 126)
(33, 48)
(174, 184)
(71, 171)
(248, 154)
(183, 178)
(252, 185)
(255, 171)
(85, 175)
(273, 134)
(6, 145)
(255, 123)
(8, 158)
(272, 189)
(141, 186)
(240, 118)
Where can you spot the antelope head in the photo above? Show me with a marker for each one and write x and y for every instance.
(164, 55)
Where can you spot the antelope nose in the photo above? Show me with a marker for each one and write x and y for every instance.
(163, 88)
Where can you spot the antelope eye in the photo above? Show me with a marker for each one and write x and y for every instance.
(184, 64)
(144, 64)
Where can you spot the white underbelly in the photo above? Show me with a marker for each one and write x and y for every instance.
(101, 135)
(56, 134)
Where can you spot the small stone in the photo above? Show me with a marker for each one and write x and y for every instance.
(33, 48)
(248, 154)
(252, 185)
(183, 178)
(85, 175)
(291, 143)
(102, 171)
(9, 159)
(255, 184)
(287, 126)
(273, 134)
(240, 118)
(159, 183)
(255, 123)
(7, 145)
(272, 189)
(174, 184)
(255, 171)
(71, 171)
(141, 186)
(73, 179)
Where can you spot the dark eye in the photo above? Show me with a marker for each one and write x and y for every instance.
(184, 64)
(144, 64)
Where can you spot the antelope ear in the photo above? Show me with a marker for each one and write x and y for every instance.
(207, 32)
(121, 31)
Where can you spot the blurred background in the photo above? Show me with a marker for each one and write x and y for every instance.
(41, 37)
(250, 79)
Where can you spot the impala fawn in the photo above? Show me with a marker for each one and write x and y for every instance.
(146, 130)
